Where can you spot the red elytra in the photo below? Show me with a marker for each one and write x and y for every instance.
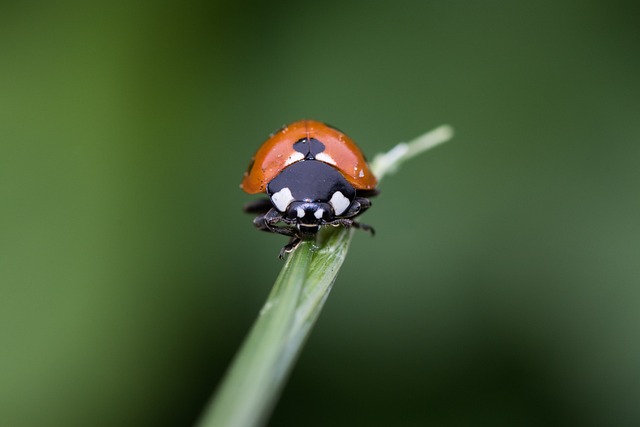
(277, 152)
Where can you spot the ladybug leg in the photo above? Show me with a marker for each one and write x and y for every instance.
(289, 247)
(268, 221)
(348, 222)
(364, 227)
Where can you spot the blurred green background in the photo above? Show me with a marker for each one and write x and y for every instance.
(502, 287)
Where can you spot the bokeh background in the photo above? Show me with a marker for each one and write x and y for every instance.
(502, 287)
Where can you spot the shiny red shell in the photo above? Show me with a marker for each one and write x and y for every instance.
(277, 152)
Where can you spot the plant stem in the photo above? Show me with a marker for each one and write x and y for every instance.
(257, 375)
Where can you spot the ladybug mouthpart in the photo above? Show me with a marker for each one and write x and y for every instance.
(310, 213)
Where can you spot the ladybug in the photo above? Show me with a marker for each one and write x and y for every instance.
(314, 175)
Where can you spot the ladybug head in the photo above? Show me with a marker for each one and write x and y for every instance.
(308, 216)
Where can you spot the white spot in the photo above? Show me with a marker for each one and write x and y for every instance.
(300, 212)
(318, 213)
(361, 174)
(339, 202)
(295, 157)
(282, 199)
(324, 157)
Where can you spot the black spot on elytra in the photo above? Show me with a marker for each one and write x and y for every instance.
(309, 147)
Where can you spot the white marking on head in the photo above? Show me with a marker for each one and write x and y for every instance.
(361, 174)
(324, 157)
(282, 199)
(318, 213)
(339, 203)
(295, 157)
(300, 212)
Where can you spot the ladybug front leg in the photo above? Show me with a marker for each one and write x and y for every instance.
(268, 221)
(348, 222)
(289, 247)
